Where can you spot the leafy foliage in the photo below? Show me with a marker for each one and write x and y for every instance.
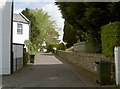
(110, 37)
(51, 46)
(88, 18)
(31, 48)
(69, 35)
(42, 28)
(61, 46)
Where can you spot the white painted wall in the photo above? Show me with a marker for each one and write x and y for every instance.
(20, 38)
(1, 6)
(5, 32)
(117, 64)
(1, 43)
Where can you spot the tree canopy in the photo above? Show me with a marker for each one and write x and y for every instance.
(87, 18)
(42, 28)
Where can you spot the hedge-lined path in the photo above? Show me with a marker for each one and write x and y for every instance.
(48, 71)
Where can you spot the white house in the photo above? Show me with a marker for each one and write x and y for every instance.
(21, 27)
(20, 33)
(14, 29)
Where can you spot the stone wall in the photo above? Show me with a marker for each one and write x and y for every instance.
(86, 60)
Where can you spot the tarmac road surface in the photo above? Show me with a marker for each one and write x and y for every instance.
(48, 71)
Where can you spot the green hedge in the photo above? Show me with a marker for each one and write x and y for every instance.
(110, 37)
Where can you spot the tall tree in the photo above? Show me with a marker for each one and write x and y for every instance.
(70, 36)
(42, 27)
(114, 11)
(87, 18)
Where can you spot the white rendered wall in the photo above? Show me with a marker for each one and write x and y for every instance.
(20, 38)
(1, 5)
(5, 32)
(117, 64)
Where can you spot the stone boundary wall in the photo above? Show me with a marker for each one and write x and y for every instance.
(86, 60)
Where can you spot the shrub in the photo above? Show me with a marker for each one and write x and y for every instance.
(51, 46)
(62, 46)
(110, 37)
(31, 48)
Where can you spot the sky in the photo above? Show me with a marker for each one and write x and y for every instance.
(48, 6)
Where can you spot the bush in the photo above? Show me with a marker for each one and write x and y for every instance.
(110, 37)
(62, 46)
(51, 46)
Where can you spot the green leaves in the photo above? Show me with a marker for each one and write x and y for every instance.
(87, 19)
(69, 35)
(110, 37)
(42, 28)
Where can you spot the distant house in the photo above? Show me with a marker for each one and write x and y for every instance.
(21, 27)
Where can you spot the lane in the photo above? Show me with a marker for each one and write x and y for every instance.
(48, 71)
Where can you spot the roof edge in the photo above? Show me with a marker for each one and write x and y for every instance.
(24, 17)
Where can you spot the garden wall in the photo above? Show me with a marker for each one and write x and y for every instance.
(86, 60)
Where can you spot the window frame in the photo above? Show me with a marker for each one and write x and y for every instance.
(19, 28)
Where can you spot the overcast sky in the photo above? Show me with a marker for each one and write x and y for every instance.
(47, 5)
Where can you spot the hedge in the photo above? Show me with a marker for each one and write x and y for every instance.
(110, 37)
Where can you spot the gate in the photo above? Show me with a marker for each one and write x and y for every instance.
(17, 56)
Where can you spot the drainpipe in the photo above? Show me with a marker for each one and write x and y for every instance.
(11, 64)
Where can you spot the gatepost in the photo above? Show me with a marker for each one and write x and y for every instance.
(117, 64)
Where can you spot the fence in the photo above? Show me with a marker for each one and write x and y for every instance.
(87, 47)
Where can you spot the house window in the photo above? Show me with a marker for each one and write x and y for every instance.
(19, 28)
